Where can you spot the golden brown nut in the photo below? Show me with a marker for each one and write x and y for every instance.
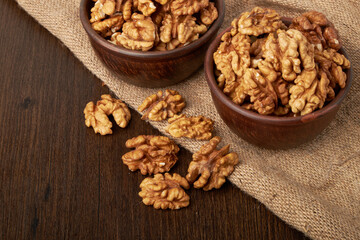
(152, 154)
(162, 105)
(125, 8)
(309, 92)
(147, 7)
(231, 59)
(165, 191)
(318, 30)
(257, 22)
(198, 127)
(97, 13)
(96, 115)
(108, 26)
(333, 63)
(187, 7)
(289, 53)
(209, 14)
(213, 165)
(261, 92)
(139, 33)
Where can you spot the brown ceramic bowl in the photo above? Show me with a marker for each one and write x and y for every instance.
(153, 68)
(270, 131)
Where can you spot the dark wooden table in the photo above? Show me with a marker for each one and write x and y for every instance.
(58, 180)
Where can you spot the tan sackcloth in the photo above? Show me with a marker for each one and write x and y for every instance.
(315, 187)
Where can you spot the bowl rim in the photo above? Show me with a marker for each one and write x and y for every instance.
(175, 53)
(209, 74)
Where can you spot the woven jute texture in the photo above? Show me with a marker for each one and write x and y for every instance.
(315, 187)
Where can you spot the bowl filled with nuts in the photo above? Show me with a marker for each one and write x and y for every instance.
(152, 43)
(278, 82)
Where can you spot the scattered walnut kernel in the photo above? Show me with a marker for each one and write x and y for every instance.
(162, 105)
(96, 115)
(257, 22)
(213, 165)
(152, 24)
(318, 30)
(152, 154)
(198, 127)
(165, 191)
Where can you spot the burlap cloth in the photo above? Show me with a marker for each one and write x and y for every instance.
(315, 187)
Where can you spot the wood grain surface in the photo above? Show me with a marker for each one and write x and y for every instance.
(58, 180)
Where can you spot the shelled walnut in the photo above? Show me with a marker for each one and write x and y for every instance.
(152, 24)
(210, 166)
(139, 33)
(162, 105)
(266, 67)
(318, 30)
(96, 115)
(152, 154)
(256, 22)
(198, 127)
(165, 191)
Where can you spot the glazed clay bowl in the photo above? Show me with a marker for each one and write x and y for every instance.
(153, 68)
(270, 131)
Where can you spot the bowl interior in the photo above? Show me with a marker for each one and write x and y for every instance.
(210, 76)
(86, 5)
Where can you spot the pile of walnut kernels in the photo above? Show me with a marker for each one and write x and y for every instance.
(267, 67)
(157, 154)
(152, 24)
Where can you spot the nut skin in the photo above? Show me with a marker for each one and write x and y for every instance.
(210, 167)
(318, 30)
(152, 154)
(165, 191)
(198, 127)
(96, 115)
(162, 105)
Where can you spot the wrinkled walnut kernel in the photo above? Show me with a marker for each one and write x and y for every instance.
(187, 7)
(152, 154)
(261, 92)
(257, 22)
(162, 105)
(108, 26)
(165, 191)
(198, 127)
(318, 30)
(210, 166)
(209, 14)
(96, 115)
(139, 33)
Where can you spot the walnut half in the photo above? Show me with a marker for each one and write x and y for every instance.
(198, 127)
(162, 105)
(96, 115)
(152, 154)
(165, 191)
(213, 165)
